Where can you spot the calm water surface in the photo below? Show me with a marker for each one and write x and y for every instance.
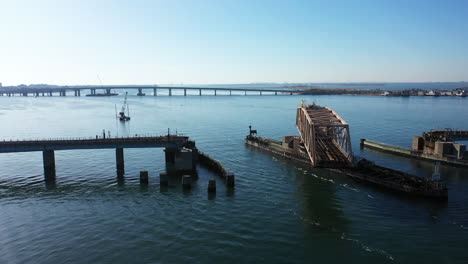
(279, 212)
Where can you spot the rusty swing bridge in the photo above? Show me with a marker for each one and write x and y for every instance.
(325, 136)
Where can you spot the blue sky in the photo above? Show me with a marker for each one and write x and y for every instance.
(206, 42)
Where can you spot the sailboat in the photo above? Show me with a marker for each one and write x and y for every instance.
(122, 116)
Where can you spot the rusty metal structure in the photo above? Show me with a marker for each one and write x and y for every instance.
(325, 136)
(445, 135)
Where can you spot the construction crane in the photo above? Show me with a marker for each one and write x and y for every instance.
(122, 116)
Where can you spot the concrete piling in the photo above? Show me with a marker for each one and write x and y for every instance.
(186, 181)
(49, 165)
(211, 185)
(119, 158)
(144, 177)
(163, 179)
(230, 180)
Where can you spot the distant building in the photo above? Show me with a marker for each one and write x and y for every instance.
(460, 93)
(433, 93)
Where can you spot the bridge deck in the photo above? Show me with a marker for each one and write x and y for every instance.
(325, 135)
(90, 143)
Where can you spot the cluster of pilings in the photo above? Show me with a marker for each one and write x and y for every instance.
(180, 161)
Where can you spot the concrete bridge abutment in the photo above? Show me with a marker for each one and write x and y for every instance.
(181, 161)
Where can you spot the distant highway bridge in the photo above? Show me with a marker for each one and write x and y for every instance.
(107, 90)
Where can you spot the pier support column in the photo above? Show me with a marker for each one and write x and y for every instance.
(245, 92)
(48, 157)
(185, 92)
(276, 93)
(93, 91)
(155, 92)
(170, 155)
(215, 92)
(144, 177)
(79, 92)
(230, 180)
(260, 92)
(199, 92)
(108, 91)
(180, 161)
(170, 92)
(25, 94)
(140, 92)
(230, 92)
(119, 159)
(290, 93)
(212, 186)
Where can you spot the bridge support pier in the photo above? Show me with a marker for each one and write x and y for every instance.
(119, 159)
(199, 92)
(48, 157)
(170, 92)
(230, 92)
(181, 161)
(155, 92)
(260, 92)
(245, 92)
(215, 92)
(276, 93)
(140, 92)
(185, 92)
(108, 91)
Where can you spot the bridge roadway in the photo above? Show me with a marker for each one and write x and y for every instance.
(48, 147)
(62, 90)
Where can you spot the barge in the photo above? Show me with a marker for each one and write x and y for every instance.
(362, 171)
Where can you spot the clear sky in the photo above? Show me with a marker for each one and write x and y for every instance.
(206, 42)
